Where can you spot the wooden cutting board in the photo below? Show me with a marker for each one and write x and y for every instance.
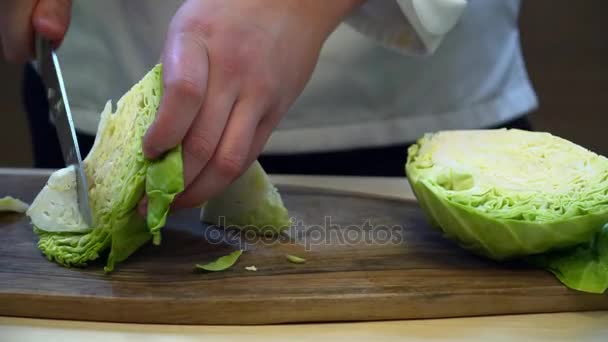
(368, 258)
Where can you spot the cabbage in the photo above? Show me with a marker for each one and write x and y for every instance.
(118, 175)
(251, 202)
(116, 171)
(507, 194)
(55, 209)
(11, 204)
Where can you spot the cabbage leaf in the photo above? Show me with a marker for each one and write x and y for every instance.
(583, 268)
(12, 204)
(222, 263)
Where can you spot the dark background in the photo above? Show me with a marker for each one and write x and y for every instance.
(566, 48)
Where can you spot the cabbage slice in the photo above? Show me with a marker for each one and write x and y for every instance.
(12, 204)
(116, 170)
(509, 193)
(55, 209)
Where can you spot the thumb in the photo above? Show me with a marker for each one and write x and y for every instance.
(51, 18)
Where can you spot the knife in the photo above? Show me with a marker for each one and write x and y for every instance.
(61, 116)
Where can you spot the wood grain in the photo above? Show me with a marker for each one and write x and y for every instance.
(414, 274)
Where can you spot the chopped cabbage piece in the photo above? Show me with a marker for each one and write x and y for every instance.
(222, 263)
(295, 259)
(55, 209)
(9, 203)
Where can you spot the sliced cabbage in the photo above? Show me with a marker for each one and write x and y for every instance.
(118, 175)
(251, 202)
(55, 209)
(509, 193)
(116, 171)
(8, 203)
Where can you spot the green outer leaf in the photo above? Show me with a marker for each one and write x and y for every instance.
(501, 239)
(164, 181)
(295, 259)
(221, 263)
(16, 205)
(130, 235)
(487, 233)
(583, 268)
(73, 249)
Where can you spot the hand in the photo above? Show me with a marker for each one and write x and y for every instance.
(231, 70)
(19, 19)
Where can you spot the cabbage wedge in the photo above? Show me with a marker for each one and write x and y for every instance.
(252, 202)
(119, 175)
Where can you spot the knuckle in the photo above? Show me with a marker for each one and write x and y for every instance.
(186, 86)
(232, 66)
(200, 27)
(199, 146)
(229, 165)
(266, 84)
(189, 199)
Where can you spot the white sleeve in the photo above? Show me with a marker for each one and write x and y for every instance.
(413, 27)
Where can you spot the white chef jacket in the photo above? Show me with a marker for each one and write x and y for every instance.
(394, 70)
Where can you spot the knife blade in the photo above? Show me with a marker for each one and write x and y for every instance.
(61, 116)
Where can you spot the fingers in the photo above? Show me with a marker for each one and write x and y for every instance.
(185, 73)
(205, 133)
(230, 159)
(265, 128)
(19, 20)
(16, 29)
(51, 18)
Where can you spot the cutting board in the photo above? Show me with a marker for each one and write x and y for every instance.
(368, 258)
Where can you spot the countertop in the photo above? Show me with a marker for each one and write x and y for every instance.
(584, 326)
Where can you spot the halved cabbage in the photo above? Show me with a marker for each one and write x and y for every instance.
(509, 193)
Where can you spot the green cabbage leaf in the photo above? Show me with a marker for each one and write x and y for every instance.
(12, 204)
(583, 268)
